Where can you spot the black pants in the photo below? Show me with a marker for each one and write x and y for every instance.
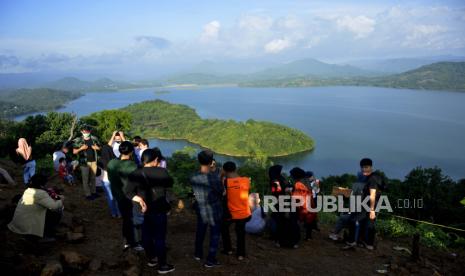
(239, 225)
(125, 208)
(366, 229)
(288, 229)
(154, 236)
(52, 219)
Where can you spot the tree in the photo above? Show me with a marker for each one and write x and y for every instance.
(107, 121)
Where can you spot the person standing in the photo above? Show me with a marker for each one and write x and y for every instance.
(29, 164)
(148, 186)
(118, 173)
(116, 139)
(237, 198)
(208, 191)
(86, 148)
(106, 156)
(305, 194)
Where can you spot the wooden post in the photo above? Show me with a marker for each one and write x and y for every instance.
(416, 247)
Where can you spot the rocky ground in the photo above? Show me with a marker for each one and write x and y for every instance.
(90, 243)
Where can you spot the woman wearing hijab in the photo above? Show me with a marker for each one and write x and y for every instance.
(25, 152)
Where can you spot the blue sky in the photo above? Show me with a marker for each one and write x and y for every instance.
(103, 35)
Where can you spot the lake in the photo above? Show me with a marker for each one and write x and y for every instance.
(399, 129)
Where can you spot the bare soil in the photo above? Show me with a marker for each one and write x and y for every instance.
(103, 244)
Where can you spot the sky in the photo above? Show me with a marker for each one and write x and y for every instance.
(150, 37)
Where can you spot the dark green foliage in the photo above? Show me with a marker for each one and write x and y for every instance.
(441, 196)
(327, 183)
(182, 165)
(104, 122)
(23, 101)
(159, 119)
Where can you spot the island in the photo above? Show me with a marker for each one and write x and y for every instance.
(163, 120)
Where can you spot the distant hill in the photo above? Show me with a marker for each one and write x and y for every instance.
(400, 65)
(311, 67)
(201, 79)
(305, 67)
(436, 76)
(75, 84)
(449, 76)
(24, 101)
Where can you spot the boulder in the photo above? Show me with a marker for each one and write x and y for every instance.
(95, 265)
(52, 268)
(74, 237)
(74, 261)
(132, 271)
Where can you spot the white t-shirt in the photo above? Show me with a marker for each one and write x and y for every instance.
(115, 147)
(56, 159)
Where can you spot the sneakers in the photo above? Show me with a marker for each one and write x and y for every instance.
(197, 258)
(209, 264)
(152, 263)
(295, 246)
(240, 258)
(369, 247)
(138, 248)
(334, 237)
(351, 244)
(167, 268)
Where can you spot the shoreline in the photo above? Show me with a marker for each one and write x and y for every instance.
(228, 154)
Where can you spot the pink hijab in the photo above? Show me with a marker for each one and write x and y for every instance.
(24, 149)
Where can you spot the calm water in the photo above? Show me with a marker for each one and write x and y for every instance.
(399, 129)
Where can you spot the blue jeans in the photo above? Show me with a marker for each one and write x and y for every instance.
(154, 236)
(29, 171)
(215, 232)
(111, 201)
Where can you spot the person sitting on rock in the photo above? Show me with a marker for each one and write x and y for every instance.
(37, 212)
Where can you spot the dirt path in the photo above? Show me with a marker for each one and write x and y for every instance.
(103, 244)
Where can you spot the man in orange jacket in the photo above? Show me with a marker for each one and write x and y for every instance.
(237, 198)
(302, 191)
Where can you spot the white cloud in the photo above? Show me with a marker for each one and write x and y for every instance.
(277, 45)
(426, 36)
(360, 25)
(210, 31)
(255, 22)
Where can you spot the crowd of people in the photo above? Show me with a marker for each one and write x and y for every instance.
(138, 189)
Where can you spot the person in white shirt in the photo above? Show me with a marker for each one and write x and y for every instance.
(115, 141)
(57, 155)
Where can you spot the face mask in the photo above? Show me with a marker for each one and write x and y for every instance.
(86, 135)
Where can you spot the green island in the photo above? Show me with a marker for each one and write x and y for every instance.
(23, 101)
(163, 120)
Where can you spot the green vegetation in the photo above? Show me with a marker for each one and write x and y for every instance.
(441, 195)
(437, 76)
(448, 76)
(105, 122)
(159, 119)
(75, 84)
(23, 101)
